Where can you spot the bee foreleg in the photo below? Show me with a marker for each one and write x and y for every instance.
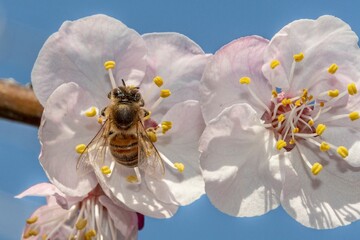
(103, 111)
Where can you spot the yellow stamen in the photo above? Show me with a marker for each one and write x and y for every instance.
(81, 224)
(245, 80)
(342, 151)
(91, 112)
(274, 93)
(311, 122)
(32, 220)
(152, 135)
(316, 168)
(100, 120)
(179, 166)
(286, 101)
(164, 93)
(166, 126)
(109, 65)
(320, 129)
(132, 179)
(333, 93)
(147, 117)
(292, 141)
(354, 116)
(274, 63)
(91, 233)
(333, 68)
(105, 170)
(322, 104)
(310, 97)
(80, 148)
(280, 144)
(298, 103)
(31, 232)
(352, 89)
(44, 237)
(158, 81)
(298, 57)
(296, 130)
(281, 118)
(324, 146)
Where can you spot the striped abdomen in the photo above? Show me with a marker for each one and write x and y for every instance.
(124, 148)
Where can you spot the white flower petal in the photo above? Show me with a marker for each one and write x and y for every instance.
(77, 52)
(327, 200)
(180, 144)
(239, 178)
(323, 41)
(180, 62)
(63, 128)
(220, 87)
(136, 196)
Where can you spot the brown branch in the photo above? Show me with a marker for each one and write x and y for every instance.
(19, 103)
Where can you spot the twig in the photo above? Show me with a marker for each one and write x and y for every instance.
(19, 103)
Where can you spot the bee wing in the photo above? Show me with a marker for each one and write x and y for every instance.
(149, 158)
(98, 143)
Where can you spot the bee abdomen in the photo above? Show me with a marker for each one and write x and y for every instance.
(124, 149)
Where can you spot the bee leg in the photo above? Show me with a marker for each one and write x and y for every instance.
(146, 113)
(103, 111)
(142, 103)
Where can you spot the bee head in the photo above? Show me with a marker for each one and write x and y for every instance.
(125, 94)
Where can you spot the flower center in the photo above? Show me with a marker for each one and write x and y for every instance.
(295, 118)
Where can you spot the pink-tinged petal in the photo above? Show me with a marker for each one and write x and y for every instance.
(347, 137)
(77, 52)
(323, 41)
(236, 149)
(180, 62)
(180, 144)
(63, 128)
(327, 200)
(125, 221)
(41, 190)
(135, 196)
(220, 87)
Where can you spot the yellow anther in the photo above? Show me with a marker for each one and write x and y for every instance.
(311, 122)
(296, 130)
(333, 68)
(164, 93)
(245, 80)
(274, 63)
(274, 93)
(298, 103)
(320, 129)
(105, 170)
(109, 65)
(179, 166)
(316, 168)
(91, 233)
(281, 118)
(352, 89)
(91, 112)
(100, 120)
(292, 141)
(322, 104)
(44, 237)
(81, 224)
(80, 148)
(298, 57)
(158, 81)
(152, 135)
(132, 179)
(324, 146)
(147, 117)
(32, 232)
(354, 116)
(166, 126)
(342, 151)
(286, 101)
(304, 93)
(333, 93)
(280, 144)
(310, 97)
(32, 220)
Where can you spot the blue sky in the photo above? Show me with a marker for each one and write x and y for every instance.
(25, 25)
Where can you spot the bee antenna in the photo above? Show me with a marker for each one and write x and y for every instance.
(123, 82)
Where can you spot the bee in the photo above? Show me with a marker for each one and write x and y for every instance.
(124, 134)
